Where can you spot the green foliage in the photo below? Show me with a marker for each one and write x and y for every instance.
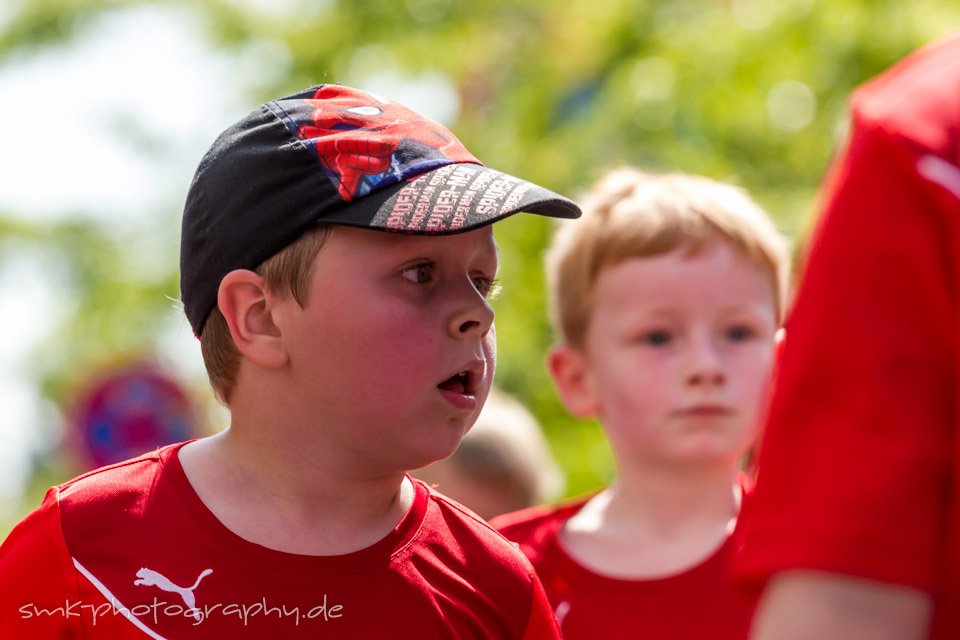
(38, 23)
(113, 304)
(749, 91)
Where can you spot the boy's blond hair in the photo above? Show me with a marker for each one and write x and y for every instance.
(632, 214)
(287, 270)
(507, 451)
(503, 463)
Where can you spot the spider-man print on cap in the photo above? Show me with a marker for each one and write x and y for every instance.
(367, 142)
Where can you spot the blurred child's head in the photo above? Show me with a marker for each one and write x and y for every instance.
(666, 298)
(632, 214)
(503, 464)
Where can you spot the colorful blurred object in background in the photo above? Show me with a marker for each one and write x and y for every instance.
(126, 411)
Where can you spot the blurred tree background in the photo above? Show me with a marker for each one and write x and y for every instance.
(749, 91)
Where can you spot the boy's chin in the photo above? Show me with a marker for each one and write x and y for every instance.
(440, 449)
(707, 453)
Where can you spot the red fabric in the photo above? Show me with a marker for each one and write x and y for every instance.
(698, 603)
(859, 472)
(137, 533)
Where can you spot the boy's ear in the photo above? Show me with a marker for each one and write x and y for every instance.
(568, 368)
(247, 306)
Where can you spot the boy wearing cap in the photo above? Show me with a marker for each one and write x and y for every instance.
(347, 355)
(666, 299)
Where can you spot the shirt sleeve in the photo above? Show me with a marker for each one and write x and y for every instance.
(38, 589)
(542, 624)
(853, 471)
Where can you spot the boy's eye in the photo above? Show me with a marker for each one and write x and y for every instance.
(739, 333)
(656, 338)
(419, 273)
(488, 287)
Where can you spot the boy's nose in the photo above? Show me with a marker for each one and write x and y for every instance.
(706, 367)
(712, 377)
(475, 317)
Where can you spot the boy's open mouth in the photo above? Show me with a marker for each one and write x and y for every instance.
(459, 383)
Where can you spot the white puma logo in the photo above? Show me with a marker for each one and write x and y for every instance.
(938, 170)
(150, 578)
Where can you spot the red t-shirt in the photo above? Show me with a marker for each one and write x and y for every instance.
(859, 471)
(696, 604)
(130, 551)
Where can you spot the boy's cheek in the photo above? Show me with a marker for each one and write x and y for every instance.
(490, 349)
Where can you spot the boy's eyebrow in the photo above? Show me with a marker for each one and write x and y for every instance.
(494, 250)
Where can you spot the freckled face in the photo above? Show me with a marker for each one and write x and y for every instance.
(679, 353)
(394, 353)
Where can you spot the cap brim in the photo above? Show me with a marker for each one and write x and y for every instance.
(451, 199)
